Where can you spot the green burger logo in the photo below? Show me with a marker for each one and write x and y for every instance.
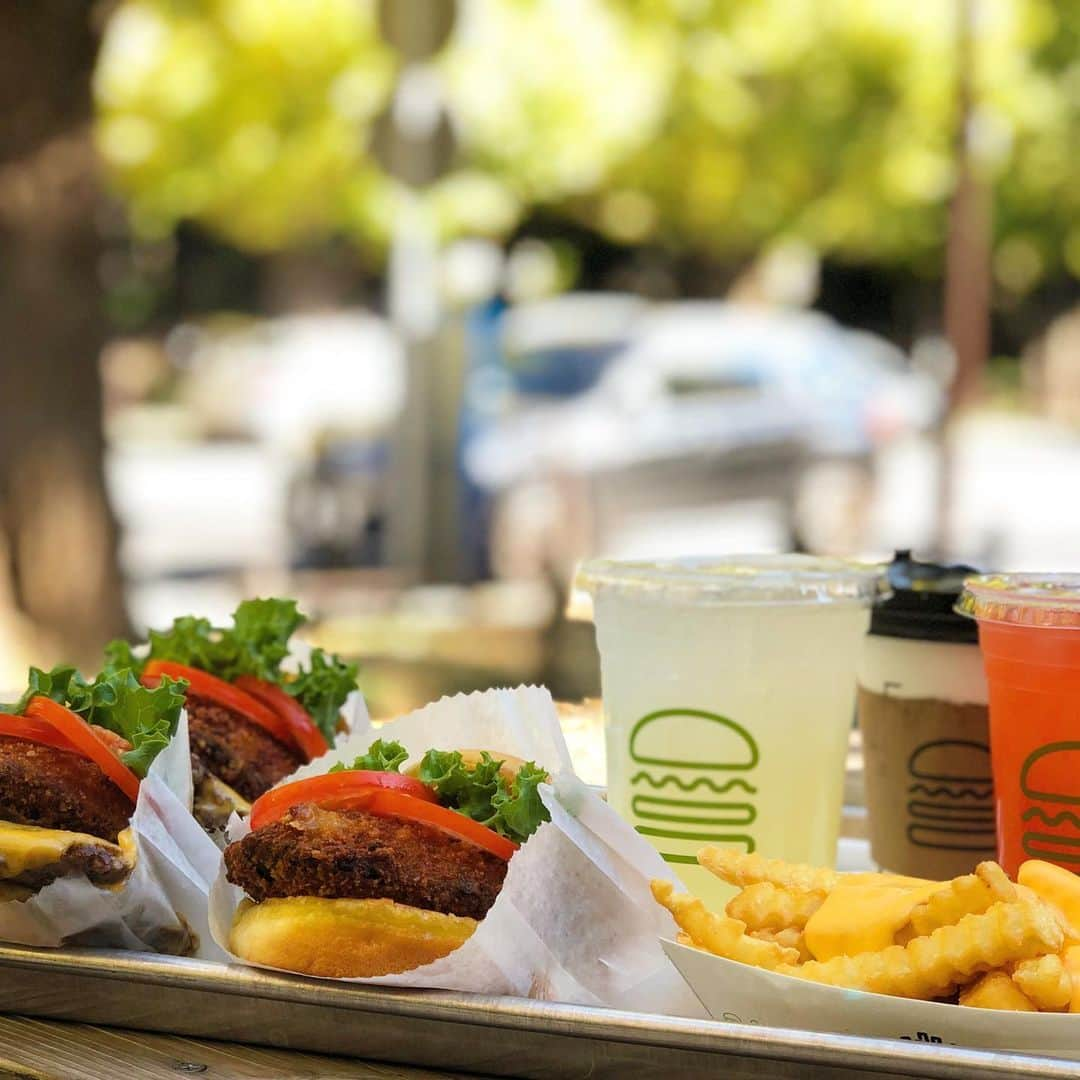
(951, 797)
(685, 804)
(1050, 778)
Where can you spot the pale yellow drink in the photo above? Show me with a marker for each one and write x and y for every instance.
(729, 689)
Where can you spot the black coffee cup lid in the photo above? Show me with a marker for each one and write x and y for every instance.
(920, 603)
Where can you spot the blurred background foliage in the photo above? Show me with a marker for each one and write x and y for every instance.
(236, 307)
(231, 113)
(705, 125)
(835, 123)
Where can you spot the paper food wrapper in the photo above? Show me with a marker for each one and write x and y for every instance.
(739, 994)
(929, 790)
(575, 920)
(162, 905)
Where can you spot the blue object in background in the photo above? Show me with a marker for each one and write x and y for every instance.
(483, 398)
(561, 372)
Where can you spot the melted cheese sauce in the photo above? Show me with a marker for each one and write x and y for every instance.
(862, 915)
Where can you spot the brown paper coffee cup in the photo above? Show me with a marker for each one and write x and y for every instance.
(929, 790)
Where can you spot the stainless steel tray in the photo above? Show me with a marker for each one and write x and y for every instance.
(493, 1036)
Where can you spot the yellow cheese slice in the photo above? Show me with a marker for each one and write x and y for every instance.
(25, 848)
(215, 801)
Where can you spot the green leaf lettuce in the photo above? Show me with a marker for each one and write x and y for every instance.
(255, 644)
(381, 756)
(117, 701)
(477, 790)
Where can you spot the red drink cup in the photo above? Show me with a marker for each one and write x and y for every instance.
(1029, 634)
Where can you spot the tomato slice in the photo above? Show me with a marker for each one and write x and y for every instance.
(25, 727)
(397, 804)
(77, 731)
(210, 687)
(344, 790)
(117, 744)
(39, 731)
(304, 732)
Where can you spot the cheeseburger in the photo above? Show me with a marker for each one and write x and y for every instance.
(367, 870)
(72, 755)
(251, 723)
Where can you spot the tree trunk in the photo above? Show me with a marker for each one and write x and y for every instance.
(57, 534)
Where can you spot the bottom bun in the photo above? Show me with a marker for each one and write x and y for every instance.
(344, 939)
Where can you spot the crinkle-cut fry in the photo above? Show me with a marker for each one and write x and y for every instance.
(766, 906)
(737, 868)
(996, 990)
(717, 933)
(1071, 959)
(789, 938)
(1072, 936)
(971, 894)
(930, 967)
(1045, 981)
(993, 876)
(683, 938)
(1056, 886)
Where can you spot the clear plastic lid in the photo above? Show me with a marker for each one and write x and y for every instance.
(1023, 599)
(737, 579)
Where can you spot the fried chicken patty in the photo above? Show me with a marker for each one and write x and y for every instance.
(59, 789)
(236, 750)
(352, 854)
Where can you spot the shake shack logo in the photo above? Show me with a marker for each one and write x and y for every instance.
(950, 797)
(1050, 779)
(692, 782)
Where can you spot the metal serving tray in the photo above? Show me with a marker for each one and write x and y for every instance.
(493, 1036)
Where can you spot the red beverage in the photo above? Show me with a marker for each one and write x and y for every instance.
(1029, 633)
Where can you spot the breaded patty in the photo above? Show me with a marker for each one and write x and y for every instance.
(236, 750)
(58, 789)
(349, 853)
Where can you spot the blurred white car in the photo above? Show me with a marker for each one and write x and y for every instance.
(707, 378)
(852, 390)
(707, 405)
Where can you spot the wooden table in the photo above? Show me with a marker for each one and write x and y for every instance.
(47, 1050)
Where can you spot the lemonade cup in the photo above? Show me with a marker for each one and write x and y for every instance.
(1029, 634)
(728, 689)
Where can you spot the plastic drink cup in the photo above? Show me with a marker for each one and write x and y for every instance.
(1029, 634)
(728, 689)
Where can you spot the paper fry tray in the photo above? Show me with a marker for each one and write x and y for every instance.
(492, 1036)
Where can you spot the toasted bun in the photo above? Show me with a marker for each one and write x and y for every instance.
(510, 763)
(344, 939)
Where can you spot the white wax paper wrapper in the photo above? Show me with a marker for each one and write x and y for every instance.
(740, 994)
(575, 920)
(175, 864)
